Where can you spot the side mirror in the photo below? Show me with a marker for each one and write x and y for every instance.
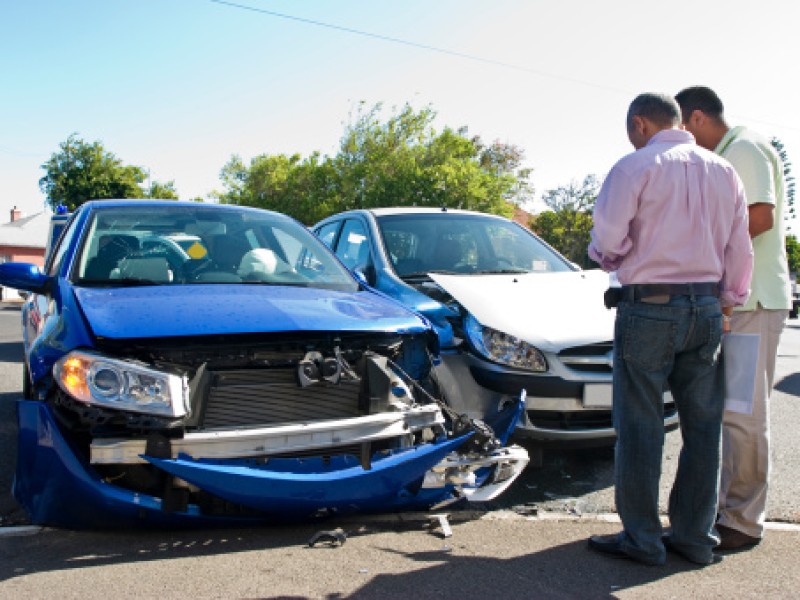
(23, 276)
(366, 274)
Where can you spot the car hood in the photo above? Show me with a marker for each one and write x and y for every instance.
(190, 310)
(552, 311)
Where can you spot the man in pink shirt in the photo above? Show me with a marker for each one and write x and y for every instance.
(671, 221)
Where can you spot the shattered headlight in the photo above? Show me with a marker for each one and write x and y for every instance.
(119, 384)
(504, 348)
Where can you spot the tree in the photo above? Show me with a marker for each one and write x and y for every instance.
(401, 161)
(567, 224)
(162, 191)
(789, 178)
(83, 171)
(793, 253)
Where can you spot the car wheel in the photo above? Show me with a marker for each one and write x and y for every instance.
(27, 386)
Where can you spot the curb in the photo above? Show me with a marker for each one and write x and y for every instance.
(426, 518)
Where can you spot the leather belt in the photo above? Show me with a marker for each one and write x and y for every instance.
(639, 291)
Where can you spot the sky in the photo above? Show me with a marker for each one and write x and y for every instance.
(180, 86)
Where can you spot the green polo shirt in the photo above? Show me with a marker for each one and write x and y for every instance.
(761, 171)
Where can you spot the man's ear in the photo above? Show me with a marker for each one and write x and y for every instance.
(698, 118)
(639, 124)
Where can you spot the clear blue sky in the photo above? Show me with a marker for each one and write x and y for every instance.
(179, 86)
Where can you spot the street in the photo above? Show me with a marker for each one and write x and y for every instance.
(530, 543)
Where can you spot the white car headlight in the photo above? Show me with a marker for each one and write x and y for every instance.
(119, 384)
(504, 348)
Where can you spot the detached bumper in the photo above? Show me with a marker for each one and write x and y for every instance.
(57, 486)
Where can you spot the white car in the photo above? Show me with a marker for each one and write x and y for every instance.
(514, 316)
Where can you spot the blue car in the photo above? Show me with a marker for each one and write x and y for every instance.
(194, 364)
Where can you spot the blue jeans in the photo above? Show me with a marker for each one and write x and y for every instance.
(674, 345)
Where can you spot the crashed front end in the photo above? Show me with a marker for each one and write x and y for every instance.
(249, 428)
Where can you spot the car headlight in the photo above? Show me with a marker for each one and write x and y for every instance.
(504, 348)
(119, 384)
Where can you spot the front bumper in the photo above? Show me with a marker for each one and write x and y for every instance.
(558, 410)
(58, 486)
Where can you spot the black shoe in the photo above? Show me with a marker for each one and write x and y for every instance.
(609, 544)
(667, 540)
(733, 539)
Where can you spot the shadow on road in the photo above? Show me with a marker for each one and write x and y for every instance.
(546, 571)
(789, 385)
(11, 352)
(11, 512)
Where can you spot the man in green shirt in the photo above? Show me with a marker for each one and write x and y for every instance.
(745, 437)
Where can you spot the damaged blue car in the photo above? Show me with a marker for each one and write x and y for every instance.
(194, 364)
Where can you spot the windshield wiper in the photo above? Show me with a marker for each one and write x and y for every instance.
(129, 282)
(426, 274)
(503, 272)
(133, 282)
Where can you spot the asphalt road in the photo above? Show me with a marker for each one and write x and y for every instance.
(571, 481)
(581, 481)
(497, 552)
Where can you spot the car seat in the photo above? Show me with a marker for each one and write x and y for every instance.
(111, 249)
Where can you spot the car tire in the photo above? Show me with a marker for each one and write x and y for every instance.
(27, 386)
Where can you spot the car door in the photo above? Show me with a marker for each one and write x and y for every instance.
(327, 233)
(351, 245)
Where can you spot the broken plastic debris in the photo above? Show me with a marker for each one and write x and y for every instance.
(441, 521)
(530, 510)
(334, 537)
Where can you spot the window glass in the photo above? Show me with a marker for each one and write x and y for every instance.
(64, 241)
(453, 243)
(196, 245)
(327, 233)
(353, 246)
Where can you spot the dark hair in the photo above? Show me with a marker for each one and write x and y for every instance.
(700, 98)
(661, 109)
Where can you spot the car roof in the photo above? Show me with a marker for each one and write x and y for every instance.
(188, 204)
(416, 210)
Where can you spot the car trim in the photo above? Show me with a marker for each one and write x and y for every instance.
(544, 386)
(226, 444)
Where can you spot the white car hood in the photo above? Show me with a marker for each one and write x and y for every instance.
(552, 311)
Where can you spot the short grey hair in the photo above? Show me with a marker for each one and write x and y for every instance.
(661, 109)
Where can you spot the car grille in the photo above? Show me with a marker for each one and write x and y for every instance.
(251, 397)
(571, 421)
(583, 419)
(594, 358)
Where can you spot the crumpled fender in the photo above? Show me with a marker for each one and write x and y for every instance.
(59, 488)
(305, 486)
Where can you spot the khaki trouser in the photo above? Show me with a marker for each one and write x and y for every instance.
(745, 469)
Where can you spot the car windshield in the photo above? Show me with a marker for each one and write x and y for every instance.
(161, 245)
(418, 244)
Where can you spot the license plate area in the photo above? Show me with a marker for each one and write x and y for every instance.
(597, 395)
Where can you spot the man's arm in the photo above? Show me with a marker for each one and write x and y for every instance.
(610, 239)
(762, 218)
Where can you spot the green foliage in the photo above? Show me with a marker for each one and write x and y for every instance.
(789, 178)
(402, 161)
(162, 191)
(567, 225)
(301, 188)
(793, 253)
(82, 171)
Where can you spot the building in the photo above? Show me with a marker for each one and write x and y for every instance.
(23, 239)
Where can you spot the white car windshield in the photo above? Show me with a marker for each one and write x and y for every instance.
(158, 245)
(417, 244)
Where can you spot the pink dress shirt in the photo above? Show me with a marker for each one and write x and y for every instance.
(673, 212)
